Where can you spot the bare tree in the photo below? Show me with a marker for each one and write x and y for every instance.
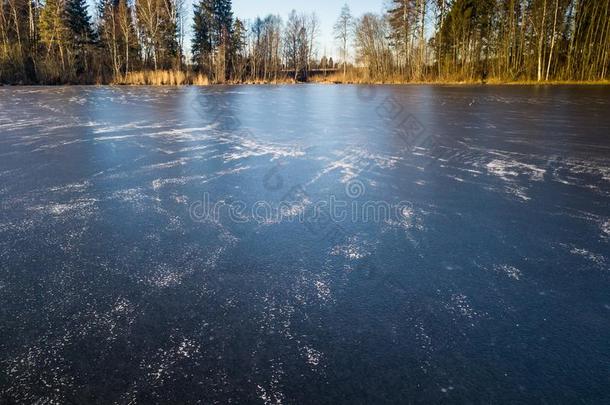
(149, 13)
(313, 30)
(295, 42)
(373, 48)
(343, 30)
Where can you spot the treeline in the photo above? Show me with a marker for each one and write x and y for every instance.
(507, 40)
(267, 49)
(143, 41)
(59, 42)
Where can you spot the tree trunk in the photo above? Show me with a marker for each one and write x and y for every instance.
(548, 67)
(541, 41)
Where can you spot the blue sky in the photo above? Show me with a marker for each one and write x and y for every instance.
(326, 10)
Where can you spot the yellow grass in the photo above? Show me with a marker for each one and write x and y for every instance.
(279, 80)
(357, 76)
(180, 78)
(163, 78)
(353, 76)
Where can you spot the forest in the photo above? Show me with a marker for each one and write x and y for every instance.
(163, 42)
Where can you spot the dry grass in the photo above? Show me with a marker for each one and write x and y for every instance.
(181, 78)
(549, 82)
(359, 76)
(200, 80)
(163, 78)
(278, 80)
(353, 76)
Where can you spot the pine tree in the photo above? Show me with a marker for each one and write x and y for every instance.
(238, 43)
(403, 22)
(213, 37)
(78, 21)
(201, 42)
(223, 21)
(80, 30)
(223, 32)
(168, 41)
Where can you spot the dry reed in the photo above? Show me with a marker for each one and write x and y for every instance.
(163, 78)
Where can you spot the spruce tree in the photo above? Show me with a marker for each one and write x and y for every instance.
(223, 21)
(223, 32)
(201, 42)
(239, 39)
(238, 44)
(80, 31)
(403, 22)
(78, 21)
(168, 45)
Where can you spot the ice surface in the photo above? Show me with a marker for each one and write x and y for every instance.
(493, 275)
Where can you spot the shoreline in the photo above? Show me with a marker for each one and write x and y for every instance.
(333, 83)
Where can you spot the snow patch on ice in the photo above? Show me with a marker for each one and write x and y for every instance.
(73, 187)
(460, 304)
(312, 356)
(354, 249)
(605, 228)
(79, 207)
(595, 258)
(508, 270)
(248, 147)
(509, 169)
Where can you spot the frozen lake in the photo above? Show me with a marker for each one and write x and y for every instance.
(299, 244)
